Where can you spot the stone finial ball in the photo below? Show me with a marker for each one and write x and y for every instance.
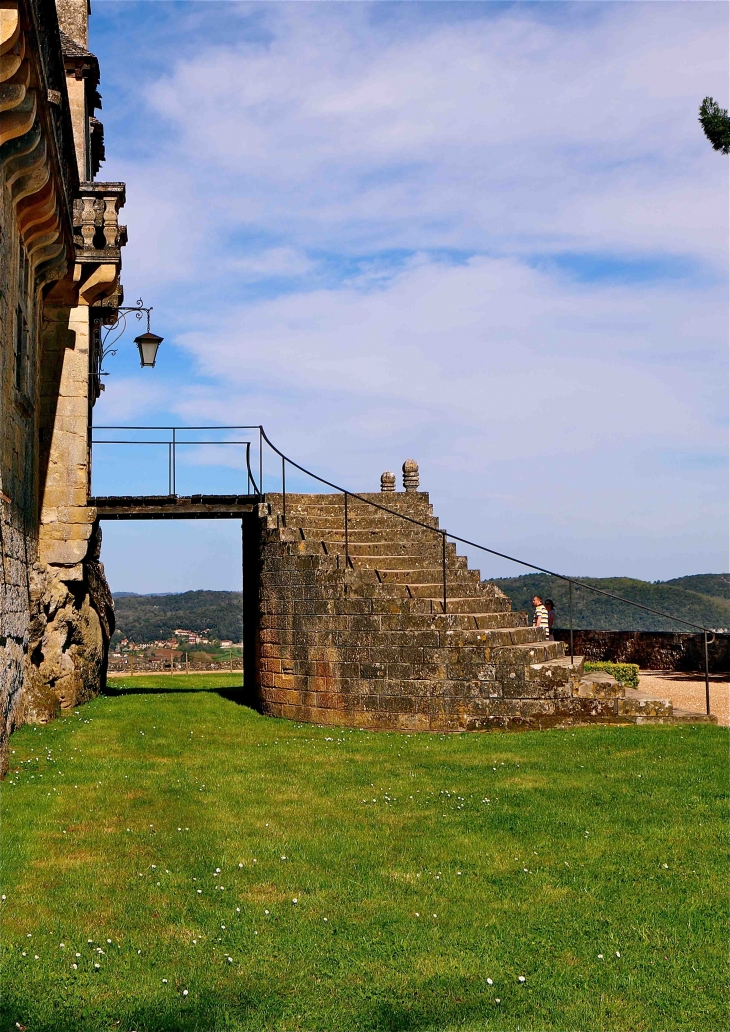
(387, 481)
(410, 475)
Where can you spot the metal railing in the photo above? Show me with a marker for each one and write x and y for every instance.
(570, 581)
(174, 442)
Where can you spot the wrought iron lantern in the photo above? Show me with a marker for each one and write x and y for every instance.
(148, 343)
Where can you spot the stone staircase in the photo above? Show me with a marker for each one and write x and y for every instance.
(365, 641)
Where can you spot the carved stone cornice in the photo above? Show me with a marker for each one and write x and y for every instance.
(37, 157)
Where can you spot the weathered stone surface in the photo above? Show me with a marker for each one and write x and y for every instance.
(410, 475)
(599, 685)
(71, 625)
(363, 640)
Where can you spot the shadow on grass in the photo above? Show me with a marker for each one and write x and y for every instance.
(233, 692)
(247, 1008)
(206, 1014)
(438, 1003)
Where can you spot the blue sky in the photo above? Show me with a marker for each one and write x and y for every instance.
(490, 237)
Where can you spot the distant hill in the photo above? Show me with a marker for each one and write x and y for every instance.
(143, 618)
(595, 612)
(703, 599)
(715, 584)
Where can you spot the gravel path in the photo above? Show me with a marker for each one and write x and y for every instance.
(687, 691)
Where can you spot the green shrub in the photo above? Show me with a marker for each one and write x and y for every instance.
(627, 674)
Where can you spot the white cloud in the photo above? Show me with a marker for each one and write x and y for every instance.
(501, 131)
(274, 262)
(465, 341)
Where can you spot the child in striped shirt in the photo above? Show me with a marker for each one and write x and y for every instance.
(541, 614)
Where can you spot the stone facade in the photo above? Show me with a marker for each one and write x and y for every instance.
(356, 633)
(60, 245)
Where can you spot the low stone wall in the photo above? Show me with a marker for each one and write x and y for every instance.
(651, 650)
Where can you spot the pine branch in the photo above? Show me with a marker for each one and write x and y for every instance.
(716, 124)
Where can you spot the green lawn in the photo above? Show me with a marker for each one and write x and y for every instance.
(366, 881)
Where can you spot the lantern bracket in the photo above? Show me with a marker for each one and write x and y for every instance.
(103, 347)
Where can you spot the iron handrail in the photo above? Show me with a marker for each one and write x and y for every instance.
(175, 442)
(158, 426)
(502, 555)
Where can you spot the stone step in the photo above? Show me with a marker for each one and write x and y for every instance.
(523, 656)
(460, 590)
(574, 668)
(393, 563)
(543, 651)
(493, 636)
(390, 546)
(481, 621)
(556, 673)
(375, 640)
(373, 545)
(599, 685)
(413, 565)
(680, 716)
(398, 500)
(464, 581)
(369, 535)
(335, 519)
(429, 575)
(427, 635)
(476, 605)
(370, 530)
(337, 510)
(425, 568)
(641, 706)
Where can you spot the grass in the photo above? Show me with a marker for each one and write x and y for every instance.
(422, 866)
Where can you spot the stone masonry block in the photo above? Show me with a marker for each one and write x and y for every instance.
(65, 532)
(63, 553)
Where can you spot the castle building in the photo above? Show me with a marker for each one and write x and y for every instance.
(60, 261)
